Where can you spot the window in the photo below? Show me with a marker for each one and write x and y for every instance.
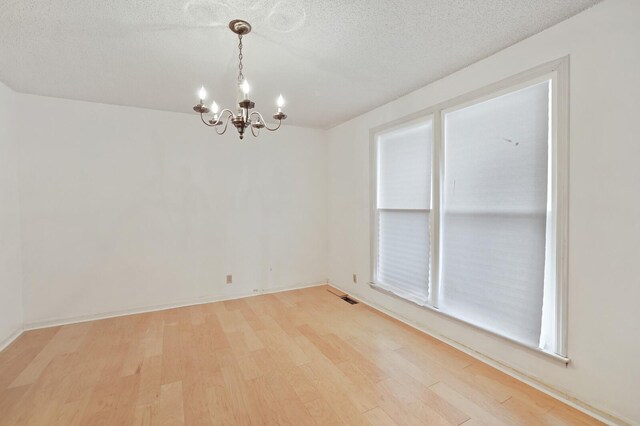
(469, 209)
(403, 210)
(495, 212)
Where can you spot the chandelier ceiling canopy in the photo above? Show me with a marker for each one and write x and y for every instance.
(243, 118)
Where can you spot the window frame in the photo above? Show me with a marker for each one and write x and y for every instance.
(557, 72)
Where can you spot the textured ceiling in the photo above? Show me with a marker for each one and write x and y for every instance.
(332, 60)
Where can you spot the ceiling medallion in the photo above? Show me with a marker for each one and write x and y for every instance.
(244, 117)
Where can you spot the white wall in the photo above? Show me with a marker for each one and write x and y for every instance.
(10, 245)
(604, 235)
(125, 208)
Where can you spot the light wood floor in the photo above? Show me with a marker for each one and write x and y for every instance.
(302, 357)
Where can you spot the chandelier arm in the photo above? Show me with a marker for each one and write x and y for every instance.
(275, 128)
(217, 122)
(224, 129)
(265, 123)
(253, 132)
(204, 121)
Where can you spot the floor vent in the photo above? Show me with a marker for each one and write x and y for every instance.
(343, 296)
(349, 300)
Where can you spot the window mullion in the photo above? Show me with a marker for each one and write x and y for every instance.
(434, 281)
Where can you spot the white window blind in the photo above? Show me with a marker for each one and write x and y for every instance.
(494, 216)
(403, 211)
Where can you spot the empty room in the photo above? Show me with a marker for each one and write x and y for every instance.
(297, 212)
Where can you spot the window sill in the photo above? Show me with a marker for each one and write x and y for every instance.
(535, 349)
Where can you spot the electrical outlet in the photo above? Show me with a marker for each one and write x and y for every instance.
(355, 279)
(229, 279)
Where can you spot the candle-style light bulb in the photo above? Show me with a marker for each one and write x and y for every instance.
(202, 93)
(214, 110)
(280, 103)
(245, 89)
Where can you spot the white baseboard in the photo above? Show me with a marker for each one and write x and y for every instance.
(516, 374)
(9, 339)
(189, 302)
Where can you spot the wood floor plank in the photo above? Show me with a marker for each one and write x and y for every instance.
(298, 357)
(302, 386)
(15, 358)
(562, 414)
(66, 340)
(287, 399)
(404, 406)
(448, 411)
(195, 403)
(150, 380)
(501, 382)
(220, 404)
(322, 413)
(475, 411)
(171, 354)
(142, 415)
(343, 406)
(377, 417)
(168, 411)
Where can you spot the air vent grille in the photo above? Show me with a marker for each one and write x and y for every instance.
(349, 300)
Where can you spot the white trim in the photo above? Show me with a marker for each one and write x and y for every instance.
(512, 372)
(191, 302)
(10, 339)
(373, 206)
(437, 177)
(505, 87)
(561, 198)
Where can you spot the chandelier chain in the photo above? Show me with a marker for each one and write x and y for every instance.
(240, 75)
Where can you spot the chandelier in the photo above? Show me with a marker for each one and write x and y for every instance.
(244, 118)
